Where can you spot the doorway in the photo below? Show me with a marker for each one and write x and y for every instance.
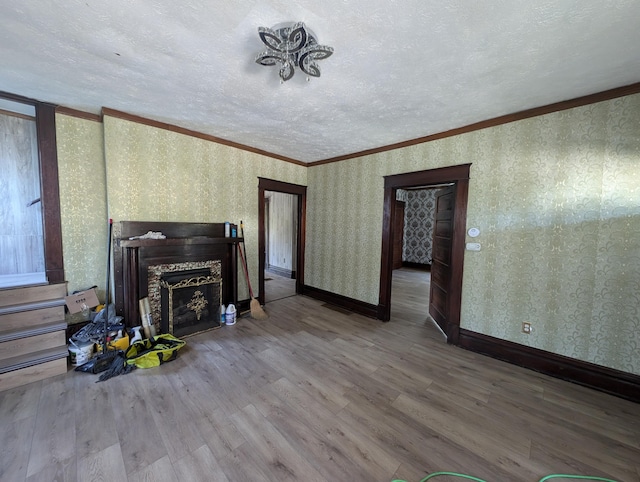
(412, 256)
(450, 274)
(271, 192)
(280, 228)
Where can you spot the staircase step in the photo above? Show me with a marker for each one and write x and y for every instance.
(33, 343)
(33, 373)
(29, 331)
(22, 346)
(34, 358)
(31, 306)
(26, 319)
(32, 294)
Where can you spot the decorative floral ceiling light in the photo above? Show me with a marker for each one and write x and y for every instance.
(292, 45)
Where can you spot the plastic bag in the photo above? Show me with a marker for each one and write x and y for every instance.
(154, 351)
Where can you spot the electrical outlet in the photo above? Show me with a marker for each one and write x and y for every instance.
(526, 327)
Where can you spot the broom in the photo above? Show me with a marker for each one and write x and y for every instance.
(257, 313)
(104, 360)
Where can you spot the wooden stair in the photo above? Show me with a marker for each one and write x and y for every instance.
(33, 343)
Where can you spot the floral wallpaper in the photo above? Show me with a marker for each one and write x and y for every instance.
(159, 175)
(129, 171)
(557, 201)
(83, 209)
(344, 227)
(418, 225)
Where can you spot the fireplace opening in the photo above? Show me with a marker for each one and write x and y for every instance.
(190, 301)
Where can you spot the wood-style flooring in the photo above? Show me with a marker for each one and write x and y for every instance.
(277, 287)
(316, 394)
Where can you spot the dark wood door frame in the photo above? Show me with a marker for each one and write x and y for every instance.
(267, 229)
(398, 228)
(457, 175)
(287, 188)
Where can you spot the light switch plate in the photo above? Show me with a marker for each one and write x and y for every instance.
(473, 246)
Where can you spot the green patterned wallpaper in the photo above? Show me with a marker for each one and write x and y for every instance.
(159, 175)
(557, 200)
(152, 175)
(83, 209)
(556, 197)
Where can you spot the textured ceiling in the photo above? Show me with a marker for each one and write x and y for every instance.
(401, 69)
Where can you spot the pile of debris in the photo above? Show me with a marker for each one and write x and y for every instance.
(94, 331)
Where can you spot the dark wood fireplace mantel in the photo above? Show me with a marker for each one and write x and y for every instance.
(184, 243)
(138, 243)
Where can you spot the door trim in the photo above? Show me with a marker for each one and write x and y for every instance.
(287, 188)
(459, 176)
(398, 206)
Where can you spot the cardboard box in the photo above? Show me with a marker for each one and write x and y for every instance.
(76, 301)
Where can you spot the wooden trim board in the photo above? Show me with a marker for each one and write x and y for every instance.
(356, 306)
(614, 382)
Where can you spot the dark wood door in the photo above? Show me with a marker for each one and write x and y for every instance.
(267, 240)
(398, 234)
(441, 257)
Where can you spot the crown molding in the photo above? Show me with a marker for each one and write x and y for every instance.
(188, 132)
(496, 121)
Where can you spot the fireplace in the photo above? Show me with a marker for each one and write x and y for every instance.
(190, 301)
(187, 276)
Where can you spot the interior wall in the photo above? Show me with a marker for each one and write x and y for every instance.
(83, 202)
(556, 200)
(155, 174)
(152, 174)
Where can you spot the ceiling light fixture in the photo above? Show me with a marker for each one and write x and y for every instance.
(292, 45)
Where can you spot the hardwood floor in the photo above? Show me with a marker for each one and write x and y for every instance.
(277, 287)
(314, 394)
(410, 300)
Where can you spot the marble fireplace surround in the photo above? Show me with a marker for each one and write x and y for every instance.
(136, 261)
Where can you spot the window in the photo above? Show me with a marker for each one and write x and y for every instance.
(30, 236)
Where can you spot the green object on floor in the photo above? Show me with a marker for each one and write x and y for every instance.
(543, 479)
(578, 477)
(154, 351)
(453, 474)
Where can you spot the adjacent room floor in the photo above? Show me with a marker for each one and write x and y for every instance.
(316, 394)
(410, 299)
(277, 287)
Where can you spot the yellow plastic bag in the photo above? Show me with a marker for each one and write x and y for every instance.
(154, 351)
